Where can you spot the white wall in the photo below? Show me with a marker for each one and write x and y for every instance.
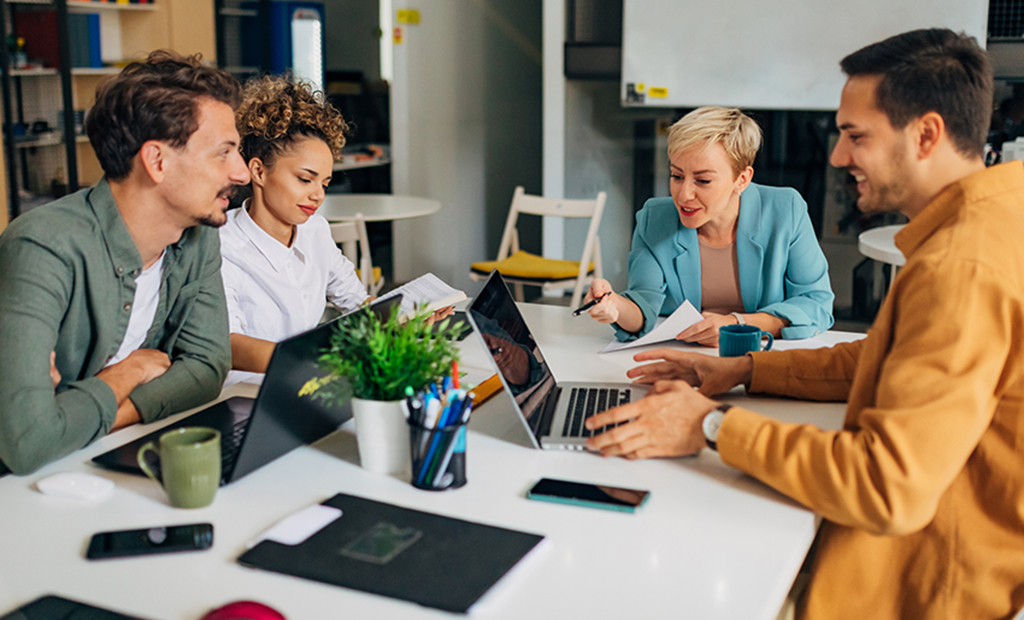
(599, 157)
(466, 109)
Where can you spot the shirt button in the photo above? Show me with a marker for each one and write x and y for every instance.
(120, 270)
(127, 306)
(136, 272)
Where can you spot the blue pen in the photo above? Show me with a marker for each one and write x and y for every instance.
(460, 414)
(450, 414)
(435, 419)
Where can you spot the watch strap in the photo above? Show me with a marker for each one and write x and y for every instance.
(739, 318)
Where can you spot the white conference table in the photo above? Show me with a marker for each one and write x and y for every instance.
(710, 543)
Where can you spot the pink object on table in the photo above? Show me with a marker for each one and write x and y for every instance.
(244, 610)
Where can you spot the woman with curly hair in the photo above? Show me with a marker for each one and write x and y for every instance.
(279, 259)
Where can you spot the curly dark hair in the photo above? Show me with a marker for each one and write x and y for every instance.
(276, 111)
(153, 99)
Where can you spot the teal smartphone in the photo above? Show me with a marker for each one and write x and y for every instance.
(585, 494)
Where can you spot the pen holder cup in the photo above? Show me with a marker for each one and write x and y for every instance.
(438, 456)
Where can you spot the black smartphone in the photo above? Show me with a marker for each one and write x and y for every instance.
(194, 537)
(585, 494)
(55, 607)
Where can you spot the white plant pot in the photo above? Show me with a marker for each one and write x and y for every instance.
(383, 436)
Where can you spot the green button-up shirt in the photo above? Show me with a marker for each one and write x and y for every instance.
(67, 282)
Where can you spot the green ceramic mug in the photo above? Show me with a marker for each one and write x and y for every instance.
(190, 464)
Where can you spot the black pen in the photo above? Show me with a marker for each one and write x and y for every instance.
(590, 304)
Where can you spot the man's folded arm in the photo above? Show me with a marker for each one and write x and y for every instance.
(935, 396)
(200, 353)
(38, 425)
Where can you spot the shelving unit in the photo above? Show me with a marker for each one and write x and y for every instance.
(127, 32)
(229, 17)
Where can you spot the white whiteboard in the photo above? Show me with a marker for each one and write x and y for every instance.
(765, 54)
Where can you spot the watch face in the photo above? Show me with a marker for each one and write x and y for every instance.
(712, 422)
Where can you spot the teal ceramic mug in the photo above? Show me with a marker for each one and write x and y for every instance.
(738, 340)
(189, 465)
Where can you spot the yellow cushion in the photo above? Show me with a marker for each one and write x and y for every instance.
(532, 267)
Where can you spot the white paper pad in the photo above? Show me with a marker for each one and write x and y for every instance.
(296, 528)
(803, 343)
(684, 316)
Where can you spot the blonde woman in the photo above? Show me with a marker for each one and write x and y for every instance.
(738, 251)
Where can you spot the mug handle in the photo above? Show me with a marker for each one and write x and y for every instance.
(141, 458)
(771, 341)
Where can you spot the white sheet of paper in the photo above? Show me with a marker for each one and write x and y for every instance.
(429, 289)
(684, 316)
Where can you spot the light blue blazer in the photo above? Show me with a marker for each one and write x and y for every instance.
(781, 266)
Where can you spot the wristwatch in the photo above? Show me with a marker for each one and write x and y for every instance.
(739, 318)
(712, 423)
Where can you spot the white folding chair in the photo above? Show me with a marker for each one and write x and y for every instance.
(352, 236)
(523, 268)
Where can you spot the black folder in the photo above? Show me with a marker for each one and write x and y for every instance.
(406, 554)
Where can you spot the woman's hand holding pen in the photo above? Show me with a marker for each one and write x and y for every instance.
(605, 310)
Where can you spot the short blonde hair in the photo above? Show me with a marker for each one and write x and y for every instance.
(738, 134)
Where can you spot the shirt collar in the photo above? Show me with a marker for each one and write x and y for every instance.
(952, 200)
(273, 250)
(124, 255)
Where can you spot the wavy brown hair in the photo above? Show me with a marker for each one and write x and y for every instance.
(154, 99)
(277, 111)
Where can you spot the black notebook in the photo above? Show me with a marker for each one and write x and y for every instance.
(406, 554)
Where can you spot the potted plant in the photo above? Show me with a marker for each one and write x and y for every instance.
(373, 360)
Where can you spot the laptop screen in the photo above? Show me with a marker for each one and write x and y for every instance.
(512, 346)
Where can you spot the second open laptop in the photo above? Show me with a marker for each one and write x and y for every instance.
(552, 411)
(256, 431)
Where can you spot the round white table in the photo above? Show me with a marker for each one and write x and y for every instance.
(879, 244)
(376, 207)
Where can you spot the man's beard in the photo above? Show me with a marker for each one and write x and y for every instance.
(891, 196)
(219, 219)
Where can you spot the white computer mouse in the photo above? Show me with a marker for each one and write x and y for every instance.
(76, 485)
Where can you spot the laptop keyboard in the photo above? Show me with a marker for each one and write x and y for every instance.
(230, 445)
(585, 402)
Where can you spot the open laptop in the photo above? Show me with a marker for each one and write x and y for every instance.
(256, 431)
(553, 412)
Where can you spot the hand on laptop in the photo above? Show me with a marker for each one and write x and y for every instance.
(666, 422)
(713, 375)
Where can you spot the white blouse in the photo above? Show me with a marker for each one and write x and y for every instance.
(274, 292)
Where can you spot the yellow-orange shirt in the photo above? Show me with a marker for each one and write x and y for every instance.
(923, 490)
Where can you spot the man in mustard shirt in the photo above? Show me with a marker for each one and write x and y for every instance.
(922, 490)
(111, 302)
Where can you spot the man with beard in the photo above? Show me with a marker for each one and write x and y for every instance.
(111, 303)
(922, 488)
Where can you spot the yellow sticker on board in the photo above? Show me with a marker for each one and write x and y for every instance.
(657, 92)
(640, 87)
(408, 16)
